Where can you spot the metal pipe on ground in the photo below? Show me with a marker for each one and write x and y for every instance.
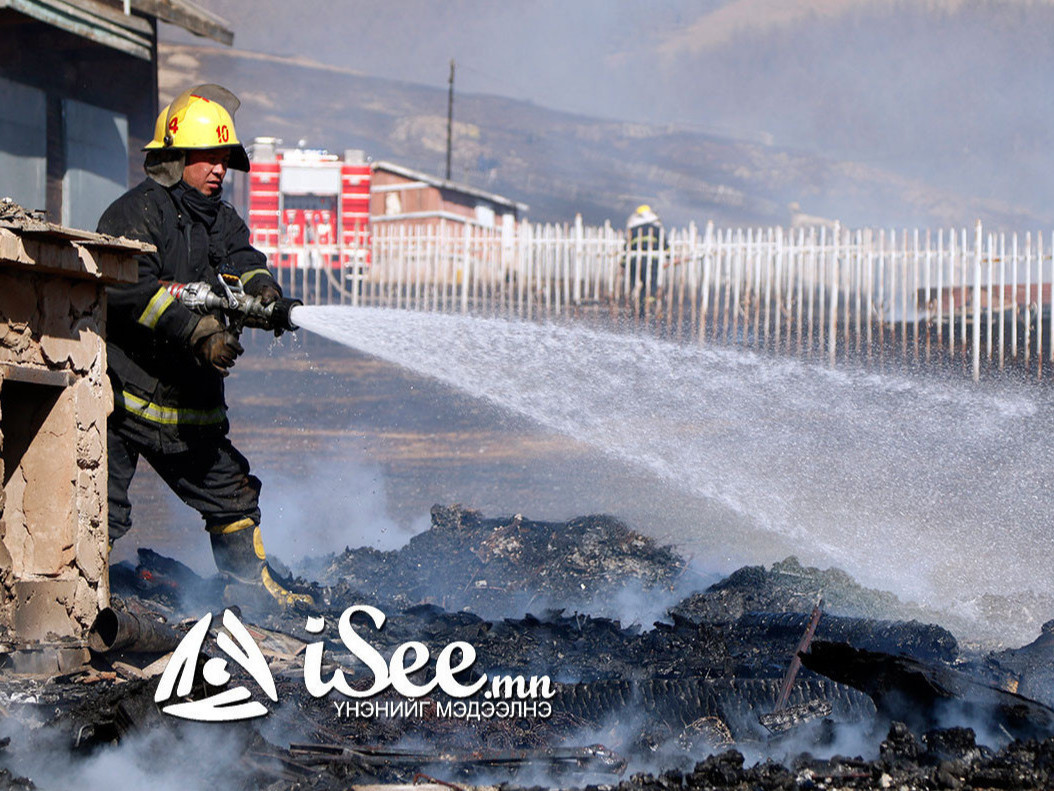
(115, 630)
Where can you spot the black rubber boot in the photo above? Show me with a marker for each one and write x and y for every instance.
(239, 553)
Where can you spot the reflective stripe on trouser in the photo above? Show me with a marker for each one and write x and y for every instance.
(211, 477)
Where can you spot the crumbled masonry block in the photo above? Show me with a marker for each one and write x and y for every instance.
(42, 609)
(55, 401)
(49, 660)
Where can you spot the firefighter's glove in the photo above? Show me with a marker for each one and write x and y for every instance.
(215, 345)
(269, 294)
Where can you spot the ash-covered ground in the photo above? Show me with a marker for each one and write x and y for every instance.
(660, 678)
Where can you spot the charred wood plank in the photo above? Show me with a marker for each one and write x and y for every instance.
(682, 701)
(927, 642)
(926, 695)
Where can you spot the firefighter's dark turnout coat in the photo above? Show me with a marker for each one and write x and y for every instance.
(167, 404)
(157, 382)
(644, 243)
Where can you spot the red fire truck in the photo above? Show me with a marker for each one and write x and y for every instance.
(309, 209)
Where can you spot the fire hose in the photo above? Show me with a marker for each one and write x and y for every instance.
(240, 308)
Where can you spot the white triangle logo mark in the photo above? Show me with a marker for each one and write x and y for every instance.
(230, 704)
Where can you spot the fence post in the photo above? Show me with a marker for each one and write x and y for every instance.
(915, 293)
(529, 264)
(1013, 302)
(951, 293)
(940, 288)
(1039, 304)
(962, 288)
(800, 255)
(905, 287)
(893, 288)
(708, 254)
(1028, 298)
(579, 252)
(563, 270)
(692, 274)
(466, 264)
(499, 303)
(667, 278)
(858, 276)
(991, 312)
(733, 304)
(845, 284)
(1002, 299)
(822, 300)
(682, 262)
(870, 291)
(929, 293)
(405, 286)
(978, 241)
(778, 264)
(836, 238)
(752, 298)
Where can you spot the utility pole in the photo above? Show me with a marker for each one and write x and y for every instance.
(450, 121)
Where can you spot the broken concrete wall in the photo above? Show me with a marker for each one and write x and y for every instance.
(54, 399)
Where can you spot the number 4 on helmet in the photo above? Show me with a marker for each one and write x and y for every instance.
(201, 118)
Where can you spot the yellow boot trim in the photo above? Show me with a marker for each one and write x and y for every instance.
(280, 594)
(233, 527)
(258, 547)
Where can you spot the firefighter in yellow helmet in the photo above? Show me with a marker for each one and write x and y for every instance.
(166, 362)
(645, 245)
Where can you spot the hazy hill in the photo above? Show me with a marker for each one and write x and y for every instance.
(561, 163)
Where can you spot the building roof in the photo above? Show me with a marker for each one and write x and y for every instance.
(439, 183)
(189, 16)
(106, 21)
(27, 240)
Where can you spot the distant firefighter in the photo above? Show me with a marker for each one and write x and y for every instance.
(645, 247)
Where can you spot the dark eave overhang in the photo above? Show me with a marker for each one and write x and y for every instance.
(109, 25)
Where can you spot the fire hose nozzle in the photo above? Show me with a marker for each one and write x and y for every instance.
(238, 305)
(282, 313)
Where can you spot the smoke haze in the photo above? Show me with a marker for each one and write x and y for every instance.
(953, 94)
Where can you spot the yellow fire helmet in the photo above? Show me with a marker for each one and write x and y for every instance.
(643, 215)
(201, 117)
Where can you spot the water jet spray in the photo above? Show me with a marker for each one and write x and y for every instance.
(924, 487)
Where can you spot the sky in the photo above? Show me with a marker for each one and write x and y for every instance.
(953, 92)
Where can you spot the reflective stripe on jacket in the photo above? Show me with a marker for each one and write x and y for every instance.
(167, 396)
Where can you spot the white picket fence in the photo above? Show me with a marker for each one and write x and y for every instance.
(980, 300)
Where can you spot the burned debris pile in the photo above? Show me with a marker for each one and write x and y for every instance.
(1028, 670)
(700, 698)
(790, 587)
(494, 567)
(939, 759)
(938, 692)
